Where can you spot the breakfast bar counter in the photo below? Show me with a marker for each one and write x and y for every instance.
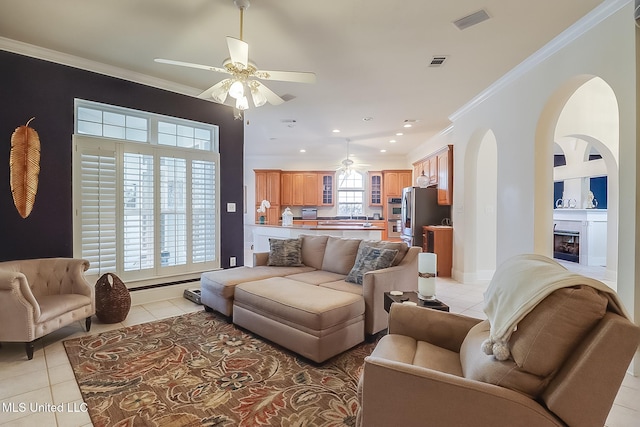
(262, 232)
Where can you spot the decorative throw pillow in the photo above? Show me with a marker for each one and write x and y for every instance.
(370, 258)
(285, 252)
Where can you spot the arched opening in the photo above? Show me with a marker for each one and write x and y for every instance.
(579, 125)
(481, 178)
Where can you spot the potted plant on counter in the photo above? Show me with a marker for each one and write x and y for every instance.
(264, 205)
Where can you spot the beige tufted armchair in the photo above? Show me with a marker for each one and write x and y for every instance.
(39, 296)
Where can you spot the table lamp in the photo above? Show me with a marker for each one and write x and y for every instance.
(427, 276)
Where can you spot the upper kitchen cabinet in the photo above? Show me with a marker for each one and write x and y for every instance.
(445, 176)
(286, 188)
(267, 185)
(268, 188)
(394, 181)
(325, 193)
(375, 188)
(310, 189)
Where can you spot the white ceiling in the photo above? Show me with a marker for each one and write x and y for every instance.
(371, 57)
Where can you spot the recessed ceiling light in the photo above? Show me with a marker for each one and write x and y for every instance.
(303, 150)
(399, 134)
(383, 151)
(393, 141)
(407, 125)
(336, 131)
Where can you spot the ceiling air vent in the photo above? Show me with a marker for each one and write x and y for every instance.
(437, 61)
(471, 20)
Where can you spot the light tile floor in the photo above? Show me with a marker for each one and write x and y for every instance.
(47, 380)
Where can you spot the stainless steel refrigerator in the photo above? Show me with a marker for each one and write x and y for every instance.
(420, 207)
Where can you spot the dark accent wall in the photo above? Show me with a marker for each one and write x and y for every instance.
(35, 88)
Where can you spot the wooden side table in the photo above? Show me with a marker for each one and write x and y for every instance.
(412, 296)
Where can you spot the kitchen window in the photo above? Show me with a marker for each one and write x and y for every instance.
(145, 206)
(350, 193)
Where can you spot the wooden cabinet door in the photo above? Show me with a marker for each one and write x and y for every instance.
(286, 189)
(325, 191)
(432, 172)
(310, 189)
(273, 187)
(375, 189)
(261, 186)
(297, 189)
(391, 184)
(445, 177)
(404, 180)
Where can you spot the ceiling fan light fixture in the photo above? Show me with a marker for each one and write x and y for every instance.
(242, 103)
(258, 98)
(236, 90)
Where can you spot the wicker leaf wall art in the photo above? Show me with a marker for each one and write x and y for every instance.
(24, 167)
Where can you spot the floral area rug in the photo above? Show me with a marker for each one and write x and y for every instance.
(200, 370)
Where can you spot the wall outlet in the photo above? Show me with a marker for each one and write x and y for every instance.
(232, 261)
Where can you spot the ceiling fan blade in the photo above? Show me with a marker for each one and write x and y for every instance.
(271, 96)
(238, 51)
(218, 92)
(287, 76)
(191, 65)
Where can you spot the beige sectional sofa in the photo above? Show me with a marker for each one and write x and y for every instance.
(307, 304)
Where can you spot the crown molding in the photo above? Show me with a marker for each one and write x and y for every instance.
(49, 55)
(580, 27)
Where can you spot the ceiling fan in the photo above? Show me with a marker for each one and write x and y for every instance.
(347, 164)
(244, 74)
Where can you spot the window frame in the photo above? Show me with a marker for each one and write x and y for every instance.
(91, 144)
(350, 189)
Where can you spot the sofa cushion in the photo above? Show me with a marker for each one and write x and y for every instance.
(301, 304)
(316, 277)
(550, 332)
(401, 247)
(340, 255)
(313, 248)
(344, 286)
(370, 258)
(285, 252)
(223, 282)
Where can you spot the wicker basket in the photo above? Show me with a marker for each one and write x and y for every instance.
(112, 299)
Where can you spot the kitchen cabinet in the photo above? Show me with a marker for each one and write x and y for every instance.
(268, 188)
(286, 189)
(432, 171)
(395, 181)
(438, 239)
(297, 185)
(310, 189)
(325, 193)
(375, 188)
(445, 176)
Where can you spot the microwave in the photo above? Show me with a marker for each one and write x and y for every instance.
(309, 213)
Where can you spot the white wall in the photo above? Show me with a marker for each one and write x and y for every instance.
(522, 113)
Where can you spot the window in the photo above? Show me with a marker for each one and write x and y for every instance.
(145, 205)
(350, 193)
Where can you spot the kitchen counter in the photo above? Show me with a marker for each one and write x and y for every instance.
(262, 232)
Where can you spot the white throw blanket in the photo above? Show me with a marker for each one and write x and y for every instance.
(518, 285)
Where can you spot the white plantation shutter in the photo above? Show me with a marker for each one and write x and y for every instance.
(173, 214)
(97, 210)
(138, 216)
(145, 208)
(203, 186)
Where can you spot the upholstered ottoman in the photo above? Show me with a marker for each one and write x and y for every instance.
(315, 322)
(217, 287)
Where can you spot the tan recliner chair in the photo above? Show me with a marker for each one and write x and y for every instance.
(568, 357)
(39, 296)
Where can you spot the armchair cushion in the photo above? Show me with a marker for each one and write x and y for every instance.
(549, 333)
